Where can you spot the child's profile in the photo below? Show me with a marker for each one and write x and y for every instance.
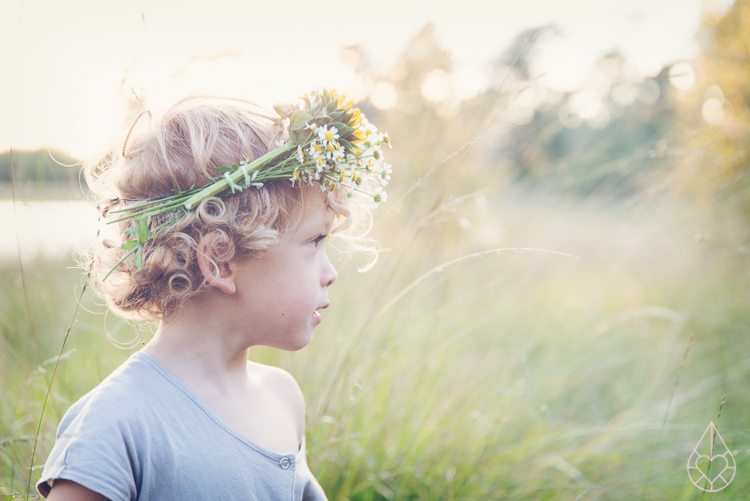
(188, 416)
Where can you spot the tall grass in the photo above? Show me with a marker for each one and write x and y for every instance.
(517, 375)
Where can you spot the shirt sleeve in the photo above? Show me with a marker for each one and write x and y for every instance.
(94, 448)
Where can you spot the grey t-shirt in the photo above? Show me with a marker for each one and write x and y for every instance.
(143, 435)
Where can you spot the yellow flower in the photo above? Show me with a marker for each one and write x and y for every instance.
(360, 136)
(356, 117)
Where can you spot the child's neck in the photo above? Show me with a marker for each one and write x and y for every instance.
(202, 343)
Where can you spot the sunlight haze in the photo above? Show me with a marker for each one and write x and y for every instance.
(70, 65)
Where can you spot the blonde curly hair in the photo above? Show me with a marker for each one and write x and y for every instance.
(184, 149)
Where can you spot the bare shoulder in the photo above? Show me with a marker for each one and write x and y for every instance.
(282, 384)
(67, 490)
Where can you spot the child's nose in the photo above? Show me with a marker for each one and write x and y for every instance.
(329, 273)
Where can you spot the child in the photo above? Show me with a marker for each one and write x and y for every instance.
(188, 416)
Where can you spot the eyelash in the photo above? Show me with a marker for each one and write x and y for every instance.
(318, 239)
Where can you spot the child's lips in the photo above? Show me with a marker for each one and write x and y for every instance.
(316, 315)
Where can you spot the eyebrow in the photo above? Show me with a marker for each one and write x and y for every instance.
(321, 227)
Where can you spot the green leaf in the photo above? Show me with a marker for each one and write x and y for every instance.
(142, 231)
(318, 110)
(299, 119)
(284, 109)
(129, 244)
(338, 116)
(222, 170)
(299, 136)
(346, 144)
(138, 259)
(133, 230)
(332, 107)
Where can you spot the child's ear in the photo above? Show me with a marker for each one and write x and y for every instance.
(217, 273)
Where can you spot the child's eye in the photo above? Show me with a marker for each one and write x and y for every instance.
(318, 239)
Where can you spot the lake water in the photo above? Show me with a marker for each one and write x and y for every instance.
(52, 228)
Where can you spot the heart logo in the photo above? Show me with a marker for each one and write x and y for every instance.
(713, 471)
(712, 467)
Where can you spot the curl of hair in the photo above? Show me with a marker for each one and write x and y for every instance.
(185, 148)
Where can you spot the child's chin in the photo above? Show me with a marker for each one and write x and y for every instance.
(298, 344)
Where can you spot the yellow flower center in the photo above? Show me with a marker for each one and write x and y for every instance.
(329, 135)
(330, 147)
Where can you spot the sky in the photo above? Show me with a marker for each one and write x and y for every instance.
(68, 66)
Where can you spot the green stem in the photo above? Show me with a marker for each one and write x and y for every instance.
(52, 379)
(156, 232)
(160, 200)
(237, 175)
(155, 211)
(120, 262)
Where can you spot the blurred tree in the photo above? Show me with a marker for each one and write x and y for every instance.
(415, 122)
(598, 139)
(714, 115)
(423, 57)
(38, 166)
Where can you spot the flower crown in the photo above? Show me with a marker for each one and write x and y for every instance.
(330, 143)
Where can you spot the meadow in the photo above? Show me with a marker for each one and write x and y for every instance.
(516, 374)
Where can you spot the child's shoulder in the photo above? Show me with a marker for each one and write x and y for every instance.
(269, 374)
(282, 384)
(127, 389)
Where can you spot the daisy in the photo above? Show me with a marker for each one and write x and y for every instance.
(331, 135)
(378, 195)
(385, 175)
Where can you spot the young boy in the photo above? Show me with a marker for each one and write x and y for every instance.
(188, 416)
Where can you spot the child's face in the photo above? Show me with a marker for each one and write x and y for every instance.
(282, 290)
